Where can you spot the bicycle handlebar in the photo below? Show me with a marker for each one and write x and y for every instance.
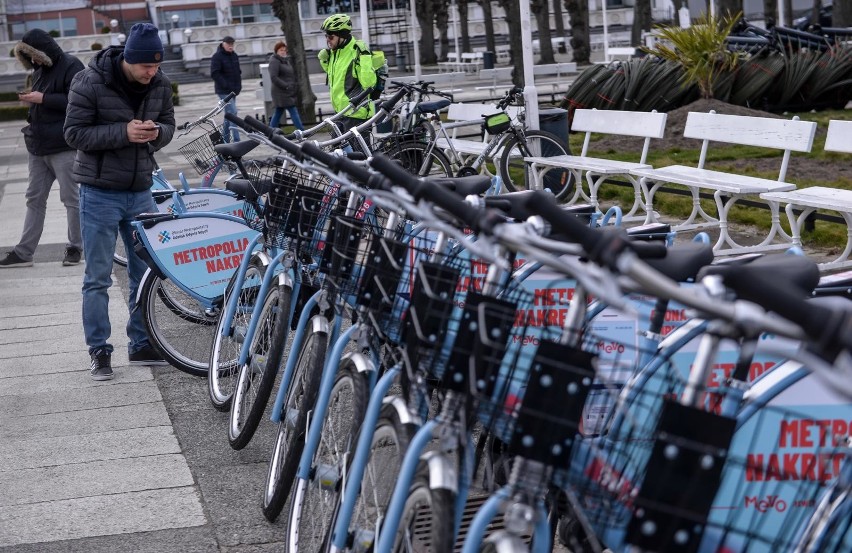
(219, 107)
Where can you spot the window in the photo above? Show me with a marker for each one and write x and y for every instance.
(66, 26)
(242, 14)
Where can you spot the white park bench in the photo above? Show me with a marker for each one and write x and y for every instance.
(641, 124)
(728, 188)
(808, 200)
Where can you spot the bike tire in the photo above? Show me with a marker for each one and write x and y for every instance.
(257, 376)
(120, 255)
(313, 501)
(223, 370)
(515, 171)
(289, 441)
(428, 519)
(391, 438)
(179, 327)
(415, 159)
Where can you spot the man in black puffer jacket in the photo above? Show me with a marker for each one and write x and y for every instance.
(119, 113)
(227, 77)
(50, 157)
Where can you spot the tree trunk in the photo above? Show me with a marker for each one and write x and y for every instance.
(425, 18)
(463, 23)
(291, 25)
(442, 20)
(729, 7)
(788, 13)
(513, 18)
(490, 43)
(539, 8)
(560, 24)
(770, 12)
(642, 21)
(815, 12)
(842, 14)
(578, 13)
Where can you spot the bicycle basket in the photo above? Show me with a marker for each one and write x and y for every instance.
(497, 123)
(200, 153)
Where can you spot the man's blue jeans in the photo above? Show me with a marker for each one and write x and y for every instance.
(104, 214)
(228, 133)
(294, 115)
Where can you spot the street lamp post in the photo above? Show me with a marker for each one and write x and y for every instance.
(188, 34)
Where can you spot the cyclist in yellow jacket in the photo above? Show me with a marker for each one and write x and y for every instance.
(349, 66)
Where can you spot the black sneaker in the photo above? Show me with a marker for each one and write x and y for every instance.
(101, 365)
(147, 356)
(14, 260)
(72, 256)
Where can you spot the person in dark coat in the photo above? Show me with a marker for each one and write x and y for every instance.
(227, 78)
(50, 157)
(285, 89)
(120, 112)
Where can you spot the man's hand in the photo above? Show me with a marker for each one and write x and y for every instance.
(141, 132)
(323, 55)
(31, 97)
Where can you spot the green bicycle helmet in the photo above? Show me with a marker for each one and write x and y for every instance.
(337, 22)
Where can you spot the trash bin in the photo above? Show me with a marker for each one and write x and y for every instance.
(488, 60)
(555, 121)
(400, 62)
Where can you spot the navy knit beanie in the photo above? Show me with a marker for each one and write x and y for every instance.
(143, 45)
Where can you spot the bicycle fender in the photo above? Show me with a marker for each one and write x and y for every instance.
(263, 257)
(442, 472)
(506, 542)
(318, 323)
(284, 278)
(361, 362)
(403, 413)
(148, 274)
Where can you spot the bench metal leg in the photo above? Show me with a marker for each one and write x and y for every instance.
(595, 184)
(648, 192)
(798, 223)
(727, 245)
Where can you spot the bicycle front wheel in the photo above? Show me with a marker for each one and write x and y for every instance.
(418, 160)
(290, 440)
(427, 522)
(178, 325)
(228, 340)
(314, 500)
(257, 376)
(515, 172)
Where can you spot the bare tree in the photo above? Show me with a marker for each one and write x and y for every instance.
(730, 7)
(642, 21)
(817, 6)
(442, 20)
(513, 18)
(578, 13)
(287, 11)
(842, 14)
(560, 24)
(490, 43)
(788, 13)
(539, 8)
(425, 18)
(461, 5)
(770, 11)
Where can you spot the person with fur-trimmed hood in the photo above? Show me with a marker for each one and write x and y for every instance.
(50, 157)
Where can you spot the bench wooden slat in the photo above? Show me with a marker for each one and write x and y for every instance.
(765, 132)
(839, 137)
(717, 180)
(627, 123)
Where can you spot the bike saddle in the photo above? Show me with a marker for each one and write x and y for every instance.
(247, 189)
(464, 186)
(683, 261)
(511, 204)
(653, 231)
(839, 284)
(235, 150)
(431, 107)
(793, 271)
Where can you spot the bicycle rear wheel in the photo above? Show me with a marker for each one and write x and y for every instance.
(414, 158)
(314, 500)
(290, 440)
(178, 326)
(228, 340)
(257, 376)
(515, 172)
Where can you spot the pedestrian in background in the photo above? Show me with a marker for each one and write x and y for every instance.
(50, 157)
(120, 112)
(285, 89)
(227, 78)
